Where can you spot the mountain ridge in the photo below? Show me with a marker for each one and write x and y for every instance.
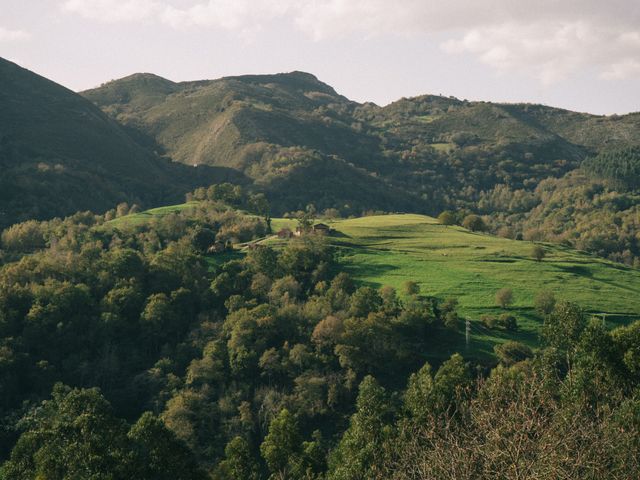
(60, 154)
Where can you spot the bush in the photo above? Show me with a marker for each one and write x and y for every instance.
(538, 253)
(489, 321)
(411, 288)
(447, 218)
(504, 297)
(452, 321)
(508, 322)
(512, 352)
(474, 223)
(544, 302)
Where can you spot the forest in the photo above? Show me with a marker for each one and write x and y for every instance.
(129, 350)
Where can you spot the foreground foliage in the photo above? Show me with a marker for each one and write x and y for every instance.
(185, 364)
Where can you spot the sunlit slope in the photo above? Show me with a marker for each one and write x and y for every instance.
(451, 261)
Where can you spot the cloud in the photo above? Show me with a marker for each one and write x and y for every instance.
(549, 39)
(228, 14)
(7, 35)
(112, 11)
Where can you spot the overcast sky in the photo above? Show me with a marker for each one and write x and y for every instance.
(578, 54)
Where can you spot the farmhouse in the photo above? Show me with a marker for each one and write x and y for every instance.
(321, 229)
(317, 229)
(285, 233)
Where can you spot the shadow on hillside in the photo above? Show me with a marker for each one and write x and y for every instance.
(368, 270)
(579, 270)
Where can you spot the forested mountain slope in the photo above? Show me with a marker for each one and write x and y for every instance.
(296, 137)
(59, 154)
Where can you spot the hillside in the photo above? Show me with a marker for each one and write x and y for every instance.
(450, 261)
(297, 138)
(453, 262)
(59, 154)
(225, 351)
(290, 133)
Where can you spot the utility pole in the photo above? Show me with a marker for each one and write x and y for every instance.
(467, 331)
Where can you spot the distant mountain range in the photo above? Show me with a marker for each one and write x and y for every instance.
(289, 135)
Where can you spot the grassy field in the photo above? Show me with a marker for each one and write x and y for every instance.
(453, 262)
(449, 261)
(143, 217)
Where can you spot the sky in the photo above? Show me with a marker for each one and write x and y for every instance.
(582, 55)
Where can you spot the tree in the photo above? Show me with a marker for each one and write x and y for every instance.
(24, 237)
(259, 204)
(202, 239)
(281, 446)
(359, 450)
(411, 288)
(74, 435)
(419, 391)
(447, 218)
(122, 209)
(474, 223)
(450, 381)
(544, 302)
(160, 455)
(158, 316)
(562, 328)
(239, 462)
(538, 253)
(284, 290)
(504, 297)
(306, 219)
(364, 301)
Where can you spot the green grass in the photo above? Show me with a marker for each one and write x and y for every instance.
(453, 262)
(443, 147)
(147, 215)
(427, 118)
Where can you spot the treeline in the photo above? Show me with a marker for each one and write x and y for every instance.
(576, 210)
(620, 167)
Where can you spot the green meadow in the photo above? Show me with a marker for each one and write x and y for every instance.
(143, 217)
(449, 261)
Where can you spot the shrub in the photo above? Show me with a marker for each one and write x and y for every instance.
(474, 223)
(504, 297)
(544, 302)
(488, 321)
(508, 322)
(447, 218)
(538, 253)
(411, 288)
(512, 352)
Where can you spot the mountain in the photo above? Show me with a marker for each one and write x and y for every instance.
(59, 153)
(421, 154)
(283, 131)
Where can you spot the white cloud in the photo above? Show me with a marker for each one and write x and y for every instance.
(549, 39)
(114, 10)
(7, 35)
(229, 14)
